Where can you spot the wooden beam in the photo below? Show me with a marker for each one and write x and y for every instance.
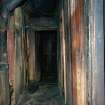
(42, 24)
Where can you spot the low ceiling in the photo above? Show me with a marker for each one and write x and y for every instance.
(41, 7)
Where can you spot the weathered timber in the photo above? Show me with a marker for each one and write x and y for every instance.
(16, 46)
(11, 56)
(4, 85)
(61, 73)
(33, 64)
(15, 50)
(63, 62)
(74, 47)
(96, 53)
(65, 52)
(79, 64)
(11, 48)
(68, 51)
(4, 80)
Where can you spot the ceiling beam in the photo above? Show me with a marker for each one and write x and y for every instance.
(42, 24)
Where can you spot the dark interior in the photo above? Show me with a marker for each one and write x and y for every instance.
(48, 55)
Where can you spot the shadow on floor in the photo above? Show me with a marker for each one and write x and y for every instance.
(46, 94)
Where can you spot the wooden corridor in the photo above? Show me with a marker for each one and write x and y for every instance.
(61, 54)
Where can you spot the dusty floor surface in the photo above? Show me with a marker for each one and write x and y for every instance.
(45, 95)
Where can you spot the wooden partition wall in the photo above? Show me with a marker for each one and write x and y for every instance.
(21, 51)
(81, 59)
(81, 75)
(15, 51)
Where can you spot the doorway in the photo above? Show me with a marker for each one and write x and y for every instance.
(48, 56)
(45, 91)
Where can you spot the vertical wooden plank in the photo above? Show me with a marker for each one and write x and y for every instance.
(96, 53)
(4, 79)
(19, 71)
(33, 71)
(63, 75)
(79, 54)
(10, 48)
(67, 19)
(23, 38)
(31, 49)
(65, 58)
(11, 54)
(61, 71)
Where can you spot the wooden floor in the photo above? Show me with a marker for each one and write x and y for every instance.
(46, 94)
